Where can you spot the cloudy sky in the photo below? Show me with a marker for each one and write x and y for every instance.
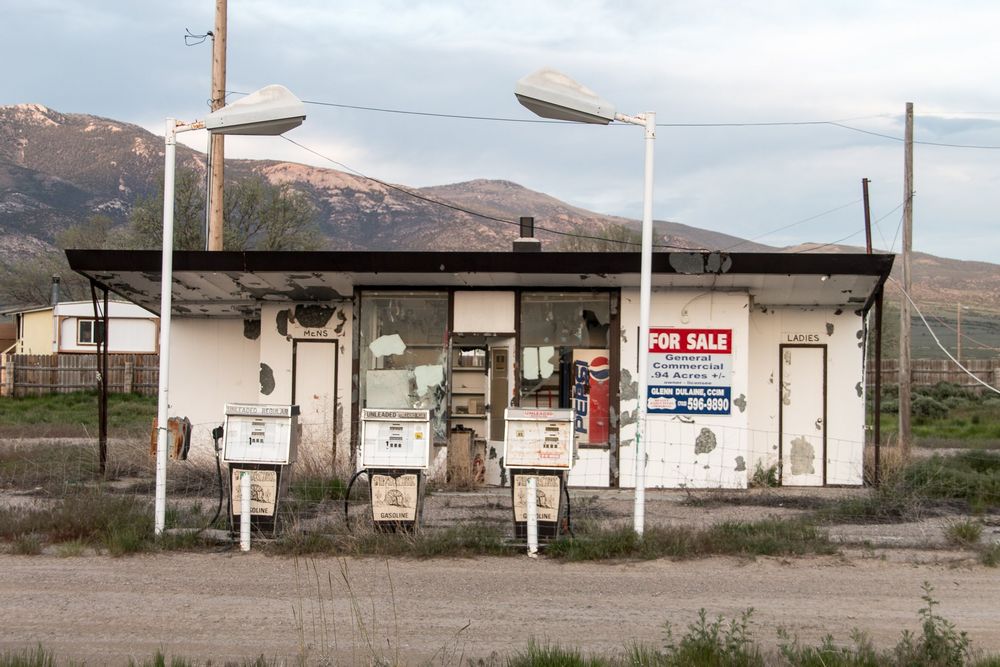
(717, 74)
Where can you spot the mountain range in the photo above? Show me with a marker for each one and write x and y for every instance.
(57, 169)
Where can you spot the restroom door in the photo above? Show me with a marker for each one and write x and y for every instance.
(802, 415)
(314, 390)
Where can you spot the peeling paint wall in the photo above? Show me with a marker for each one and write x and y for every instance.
(696, 451)
(836, 328)
(280, 325)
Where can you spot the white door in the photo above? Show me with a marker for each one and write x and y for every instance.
(315, 392)
(803, 415)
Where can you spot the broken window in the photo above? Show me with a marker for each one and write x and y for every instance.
(403, 348)
(565, 360)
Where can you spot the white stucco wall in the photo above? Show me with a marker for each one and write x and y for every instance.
(211, 363)
(839, 329)
(671, 440)
(219, 361)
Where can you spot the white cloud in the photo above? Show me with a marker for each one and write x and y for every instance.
(708, 61)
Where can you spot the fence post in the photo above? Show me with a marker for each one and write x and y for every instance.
(8, 380)
(128, 380)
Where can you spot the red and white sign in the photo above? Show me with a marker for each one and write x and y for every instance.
(689, 371)
(689, 341)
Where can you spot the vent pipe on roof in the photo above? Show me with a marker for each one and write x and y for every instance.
(527, 242)
(55, 291)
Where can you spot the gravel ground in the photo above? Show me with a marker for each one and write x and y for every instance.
(226, 605)
(230, 605)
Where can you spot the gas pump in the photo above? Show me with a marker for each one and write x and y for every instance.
(395, 452)
(260, 440)
(538, 443)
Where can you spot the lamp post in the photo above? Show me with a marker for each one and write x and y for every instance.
(551, 94)
(272, 110)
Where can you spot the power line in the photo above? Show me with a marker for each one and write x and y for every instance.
(936, 340)
(798, 222)
(852, 234)
(840, 123)
(461, 209)
(486, 216)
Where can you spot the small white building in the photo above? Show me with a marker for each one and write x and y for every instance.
(756, 360)
(73, 327)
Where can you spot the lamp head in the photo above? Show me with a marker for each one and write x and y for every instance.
(551, 94)
(272, 110)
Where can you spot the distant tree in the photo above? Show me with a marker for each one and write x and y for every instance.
(28, 280)
(96, 233)
(261, 216)
(145, 224)
(256, 216)
(610, 237)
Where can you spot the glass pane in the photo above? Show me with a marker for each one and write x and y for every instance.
(403, 350)
(564, 357)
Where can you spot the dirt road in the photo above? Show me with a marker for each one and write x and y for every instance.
(222, 606)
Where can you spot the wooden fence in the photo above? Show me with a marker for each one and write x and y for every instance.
(28, 374)
(928, 372)
(33, 374)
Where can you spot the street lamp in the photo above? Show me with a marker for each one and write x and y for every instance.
(552, 94)
(271, 110)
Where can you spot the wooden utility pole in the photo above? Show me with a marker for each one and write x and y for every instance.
(217, 151)
(905, 403)
(958, 336)
(868, 216)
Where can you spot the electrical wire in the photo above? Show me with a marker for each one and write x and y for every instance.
(799, 222)
(461, 209)
(191, 39)
(791, 123)
(965, 337)
(936, 340)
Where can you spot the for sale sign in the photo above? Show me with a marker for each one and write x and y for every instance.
(690, 371)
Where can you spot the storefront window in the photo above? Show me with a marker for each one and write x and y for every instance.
(565, 357)
(403, 350)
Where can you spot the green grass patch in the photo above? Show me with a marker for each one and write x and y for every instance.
(30, 657)
(964, 532)
(454, 542)
(972, 478)
(990, 555)
(49, 466)
(75, 413)
(965, 481)
(92, 519)
(768, 537)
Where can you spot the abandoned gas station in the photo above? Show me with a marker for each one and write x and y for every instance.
(756, 360)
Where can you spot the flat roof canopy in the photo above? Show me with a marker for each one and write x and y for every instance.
(234, 284)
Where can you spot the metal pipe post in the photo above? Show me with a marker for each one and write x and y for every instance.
(166, 280)
(245, 493)
(531, 507)
(645, 289)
